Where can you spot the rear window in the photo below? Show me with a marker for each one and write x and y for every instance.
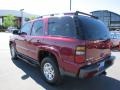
(93, 29)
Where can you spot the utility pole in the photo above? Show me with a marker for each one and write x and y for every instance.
(22, 19)
(70, 5)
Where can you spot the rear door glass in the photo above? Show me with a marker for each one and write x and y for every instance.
(93, 29)
(37, 29)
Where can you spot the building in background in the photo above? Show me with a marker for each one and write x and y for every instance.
(18, 16)
(111, 19)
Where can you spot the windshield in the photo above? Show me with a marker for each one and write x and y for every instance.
(93, 29)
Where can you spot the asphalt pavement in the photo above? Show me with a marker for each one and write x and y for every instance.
(18, 75)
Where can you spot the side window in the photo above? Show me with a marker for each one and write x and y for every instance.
(63, 26)
(26, 29)
(53, 28)
(68, 26)
(37, 29)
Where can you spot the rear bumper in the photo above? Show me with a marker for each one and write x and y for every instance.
(95, 69)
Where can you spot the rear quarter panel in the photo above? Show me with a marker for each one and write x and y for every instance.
(65, 49)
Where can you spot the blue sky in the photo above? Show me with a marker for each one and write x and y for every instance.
(54, 6)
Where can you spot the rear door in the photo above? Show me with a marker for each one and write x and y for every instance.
(35, 39)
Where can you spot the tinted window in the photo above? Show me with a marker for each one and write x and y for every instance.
(37, 29)
(26, 29)
(53, 26)
(63, 26)
(93, 29)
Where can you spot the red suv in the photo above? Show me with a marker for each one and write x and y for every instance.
(75, 44)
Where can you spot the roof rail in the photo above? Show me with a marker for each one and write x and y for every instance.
(48, 15)
(69, 13)
(78, 12)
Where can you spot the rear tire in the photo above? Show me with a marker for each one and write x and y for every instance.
(13, 52)
(50, 71)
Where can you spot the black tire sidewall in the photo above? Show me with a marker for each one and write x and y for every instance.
(15, 57)
(57, 77)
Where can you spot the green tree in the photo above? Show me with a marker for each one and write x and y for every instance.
(8, 21)
(32, 17)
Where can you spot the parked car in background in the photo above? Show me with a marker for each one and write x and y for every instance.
(115, 38)
(11, 29)
(75, 44)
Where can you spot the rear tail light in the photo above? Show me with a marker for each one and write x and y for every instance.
(80, 54)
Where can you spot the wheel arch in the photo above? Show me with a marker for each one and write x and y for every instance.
(11, 42)
(56, 57)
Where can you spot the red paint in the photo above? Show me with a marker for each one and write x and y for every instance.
(63, 48)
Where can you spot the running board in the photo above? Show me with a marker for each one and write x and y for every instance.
(28, 61)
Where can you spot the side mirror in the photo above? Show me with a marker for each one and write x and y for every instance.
(15, 32)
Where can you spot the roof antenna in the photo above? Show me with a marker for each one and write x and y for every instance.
(70, 4)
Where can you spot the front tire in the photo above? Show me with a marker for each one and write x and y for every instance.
(50, 71)
(104, 73)
(13, 52)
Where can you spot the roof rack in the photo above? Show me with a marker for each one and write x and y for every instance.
(69, 13)
(78, 12)
(48, 15)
